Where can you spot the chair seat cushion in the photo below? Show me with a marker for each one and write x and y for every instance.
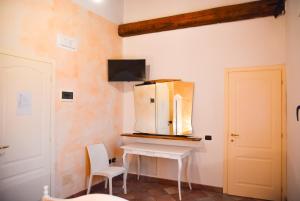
(111, 171)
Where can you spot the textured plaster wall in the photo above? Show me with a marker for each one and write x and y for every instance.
(30, 27)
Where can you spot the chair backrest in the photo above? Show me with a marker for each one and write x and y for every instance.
(98, 157)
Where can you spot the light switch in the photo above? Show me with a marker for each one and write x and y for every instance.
(66, 42)
(67, 96)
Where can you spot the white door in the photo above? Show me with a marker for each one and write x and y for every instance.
(254, 134)
(25, 126)
(144, 106)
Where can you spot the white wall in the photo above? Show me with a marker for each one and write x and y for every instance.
(109, 9)
(136, 10)
(293, 95)
(200, 54)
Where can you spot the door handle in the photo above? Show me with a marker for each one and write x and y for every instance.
(4, 147)
(297, 112)
(234, 135)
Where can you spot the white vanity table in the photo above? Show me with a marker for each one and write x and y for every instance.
(162, 151)
(163, 110)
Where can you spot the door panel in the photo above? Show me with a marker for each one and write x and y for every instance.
(263, 174)
(25, 115)
(254, 142)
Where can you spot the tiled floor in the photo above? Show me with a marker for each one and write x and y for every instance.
(150, 189)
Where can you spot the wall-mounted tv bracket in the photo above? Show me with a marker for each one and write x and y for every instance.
(297, 112)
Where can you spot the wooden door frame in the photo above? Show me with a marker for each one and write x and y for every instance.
(281, 68)
(52, 108)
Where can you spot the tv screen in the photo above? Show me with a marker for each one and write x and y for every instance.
(126, 70)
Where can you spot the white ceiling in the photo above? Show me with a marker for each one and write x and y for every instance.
(109, 9)
(123, 11)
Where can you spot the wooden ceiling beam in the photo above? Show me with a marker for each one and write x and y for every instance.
(256, 9)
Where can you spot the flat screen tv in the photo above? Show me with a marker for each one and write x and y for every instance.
(126, 69)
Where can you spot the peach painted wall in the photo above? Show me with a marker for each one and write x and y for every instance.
(200, 55)
(293, 99)
(30, 27)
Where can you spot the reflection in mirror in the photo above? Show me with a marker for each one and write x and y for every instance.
(145, 108)
(163, 114)
(164, 108)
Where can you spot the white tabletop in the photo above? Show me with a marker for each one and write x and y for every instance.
(170, 149)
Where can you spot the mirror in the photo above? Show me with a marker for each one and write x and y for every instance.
(164, 107)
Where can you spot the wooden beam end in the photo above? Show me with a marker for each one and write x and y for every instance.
(280, 8)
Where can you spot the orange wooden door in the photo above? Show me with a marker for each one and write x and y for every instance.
(254, 133)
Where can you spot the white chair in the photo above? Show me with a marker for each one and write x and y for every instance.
(100, 167)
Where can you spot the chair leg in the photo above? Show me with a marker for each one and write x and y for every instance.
(110, 185)
(124, 182)
(90, 184)
(106, 180)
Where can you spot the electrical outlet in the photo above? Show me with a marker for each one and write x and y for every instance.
(112, 160)
(208, 137)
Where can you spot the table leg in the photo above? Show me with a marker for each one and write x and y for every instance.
(125, 165)
(125, 161)
(138, 166)
(124, 182)
(110, 185)
(106, 180)
(188, 171)
(179, 177)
